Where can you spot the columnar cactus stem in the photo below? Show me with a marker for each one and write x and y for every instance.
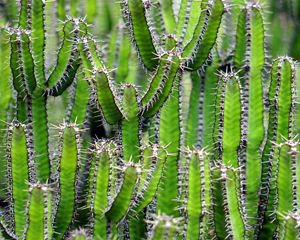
(67, 179)
(250, 55)
(38, 213)
(18, 167)
(282, 114)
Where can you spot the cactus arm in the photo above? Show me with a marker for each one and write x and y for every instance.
(106, 98)
(169, 135)
(192, 199)
(210, 83)
(240, 50)
(156, 79)
(23, 14)
(200, 46)
(38, 39)
(68, 167)
(18, 175)
(131, 132)
(191, 19)
(284, 182)
(182, 17)
(153, 166)
(78, 107)
(21, 63)
(233, 214)
(102, 87)
(252, 119)
(28, 63)
(280, 122)
(65, 52)
(38, 214)
(168, 15)
(100, 191)
(16, 66)
(120, 205)
(135, 14)
(230, 117)
(67, 78)
(166, 82)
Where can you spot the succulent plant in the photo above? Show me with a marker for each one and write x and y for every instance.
(147, 119)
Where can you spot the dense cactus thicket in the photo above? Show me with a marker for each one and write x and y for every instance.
(149, 119)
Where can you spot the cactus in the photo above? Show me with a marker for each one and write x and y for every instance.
(186, 133)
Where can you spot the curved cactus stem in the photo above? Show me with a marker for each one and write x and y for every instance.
(134, 13)
(205, 35)
(38, 213)
(103, 89)
(66, 58)
(105, 93)
(27, 62)
(121, 203)
(161, 85)
(67, 179)
(66, 79)
(17, 68)
(18, 167)
(131, 125)
(153, 164)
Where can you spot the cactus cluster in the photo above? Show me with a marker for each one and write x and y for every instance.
(148, 119)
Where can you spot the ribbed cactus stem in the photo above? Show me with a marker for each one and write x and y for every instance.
(38, 213)
(67, 179)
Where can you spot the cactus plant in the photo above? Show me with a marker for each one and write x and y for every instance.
(186, 133)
